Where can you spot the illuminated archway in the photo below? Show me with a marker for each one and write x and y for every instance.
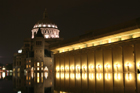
(46, 69)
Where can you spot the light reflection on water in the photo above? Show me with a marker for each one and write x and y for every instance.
(4, 74)
(94, 82)
(33, 82)
(64, 82)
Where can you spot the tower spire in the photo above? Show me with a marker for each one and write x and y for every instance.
(45, 15)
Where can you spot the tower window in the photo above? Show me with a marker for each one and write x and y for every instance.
(37, 63)
(38, 42)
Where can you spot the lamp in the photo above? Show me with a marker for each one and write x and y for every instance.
(139, 65)
(128, 65)
(117, 66)
(84, 68)
(99, 66)
(72, 68)
(66, 68)
(62, 68)
(78, 68)
(91, 68)
(107, 66)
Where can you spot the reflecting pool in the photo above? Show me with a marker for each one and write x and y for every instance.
(68, 82)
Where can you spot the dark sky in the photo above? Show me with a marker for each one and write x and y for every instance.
(73, 18)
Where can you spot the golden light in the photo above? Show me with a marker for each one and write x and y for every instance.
(128, 76)
(37, 68)
(29, 78)
(84, 68)
(106, 39)
(3, 68)
(128, 65)
(72, 75)
(42, 79)
(72, 68)
(107, 76)
(62, 75)
(62, 92)
(91, 68)
(139, 76)
(37, 63)
(98, 76)
(139, 65)
(117, 76)
(62, 68)
(84, 75)
(66, 75)
(66, 68)
(117, 66)
(42, 68)
(77, 68)
(109, 41)
(37, 77)
(57, 75)
(41, 74)
(98, 67)
(77, 75)
(91, 76)
(26, 77)
(57, 69)
(41, 63)
(26, 66)
(107, 66)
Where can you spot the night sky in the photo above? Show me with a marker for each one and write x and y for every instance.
(73, 18)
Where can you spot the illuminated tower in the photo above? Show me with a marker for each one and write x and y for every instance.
(48, 28)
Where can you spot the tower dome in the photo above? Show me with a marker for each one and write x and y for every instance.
(48, 28)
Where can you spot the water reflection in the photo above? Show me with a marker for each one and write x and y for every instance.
(90, 82)
(70, 82)
(6, 75)
(3, 75)
(33, 82)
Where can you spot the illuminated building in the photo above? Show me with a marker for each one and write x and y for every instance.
(34, 55)
(48, 28)
(102, 62)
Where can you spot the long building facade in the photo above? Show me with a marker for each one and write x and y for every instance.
(107, 63)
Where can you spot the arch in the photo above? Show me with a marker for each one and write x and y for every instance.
(46, 69)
